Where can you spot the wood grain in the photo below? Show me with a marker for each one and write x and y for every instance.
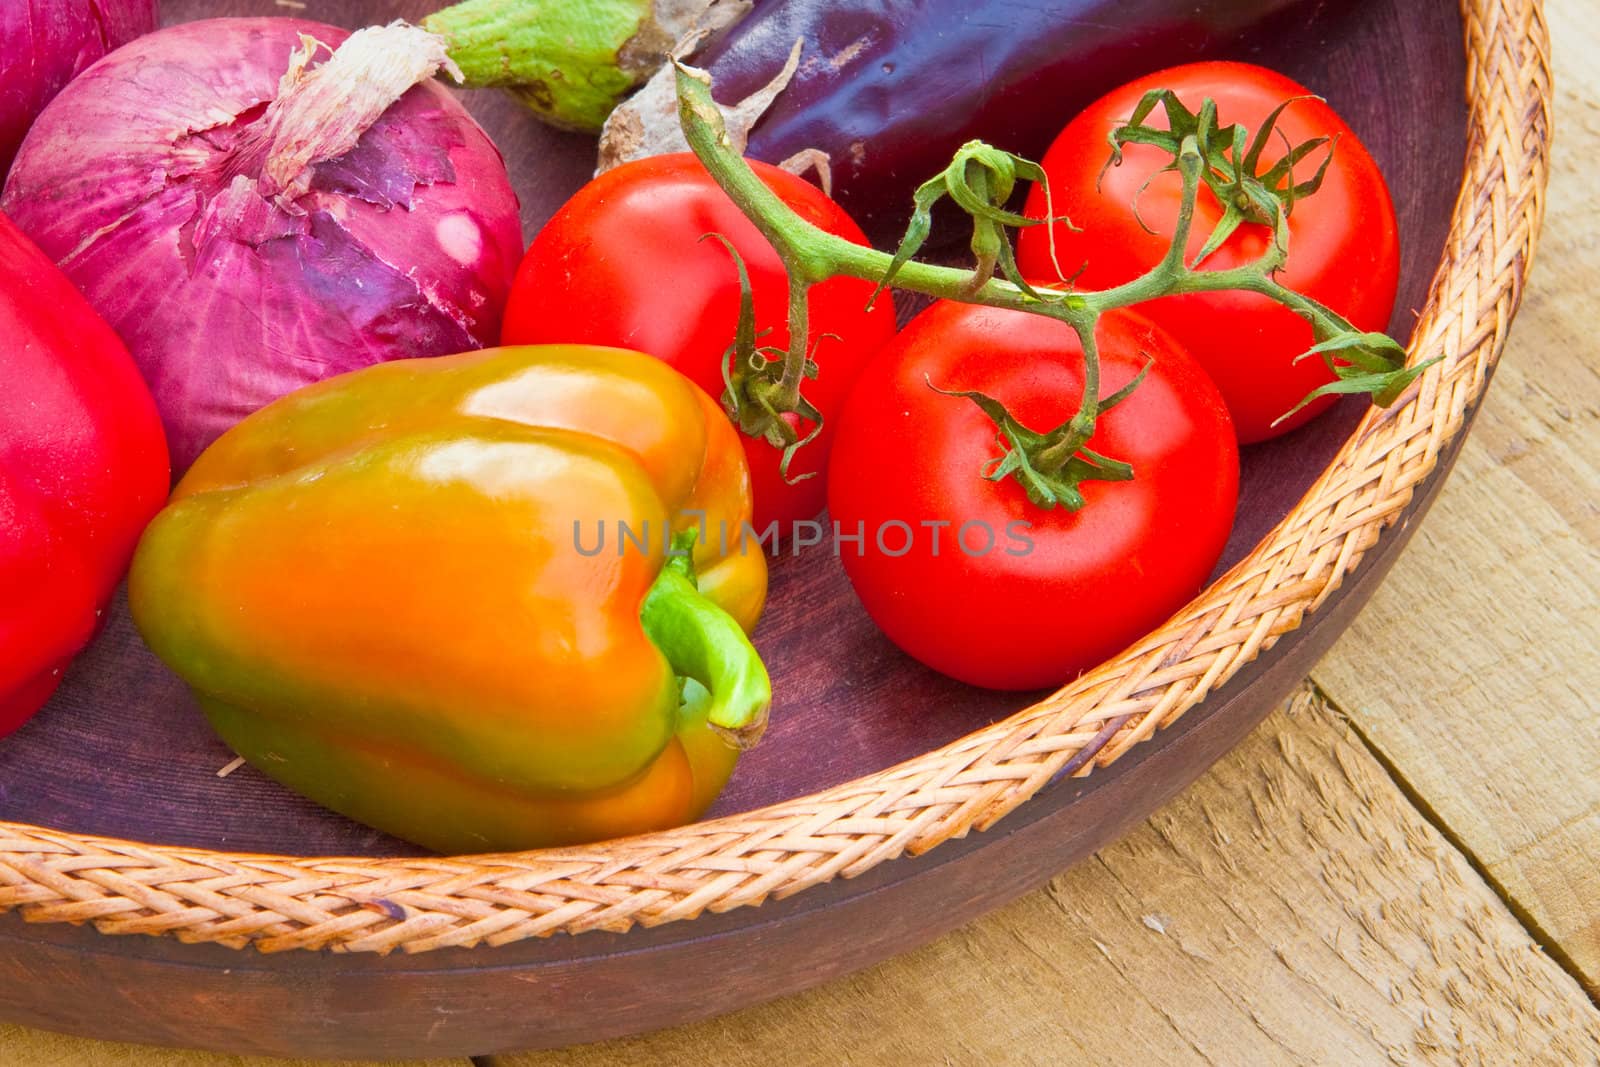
(20, 1047)
(1474, 670)
(1292, 906)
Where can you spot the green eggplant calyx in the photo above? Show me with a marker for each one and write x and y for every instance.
(703, 642)
(570, 63)
(573, 63)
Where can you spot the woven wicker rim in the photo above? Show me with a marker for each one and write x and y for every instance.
(376, 905)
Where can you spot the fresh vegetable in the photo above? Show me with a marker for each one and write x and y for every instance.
(436, 595)
(1343, 241)
(46, 43)
(648, 256)
(971, 576)
(890, 91)
(83, 467)
(571, 62)
(1052, 433)
(252, 215)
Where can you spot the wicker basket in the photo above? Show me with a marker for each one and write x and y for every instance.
(277, 903)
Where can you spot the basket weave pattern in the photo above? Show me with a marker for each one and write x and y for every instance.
(278, 903)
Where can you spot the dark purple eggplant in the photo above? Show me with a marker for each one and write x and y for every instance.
(889, 90)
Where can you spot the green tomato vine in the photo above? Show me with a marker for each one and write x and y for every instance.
(764, 386)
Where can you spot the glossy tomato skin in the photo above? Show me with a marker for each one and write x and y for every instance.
(1058, 591)
(1343, 243)
(623, 263)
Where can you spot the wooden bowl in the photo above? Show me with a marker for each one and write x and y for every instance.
(253, 937)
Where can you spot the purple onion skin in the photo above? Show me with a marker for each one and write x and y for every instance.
(139, 180)
(46, 43)
(891, 88)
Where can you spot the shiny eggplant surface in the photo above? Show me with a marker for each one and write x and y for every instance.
(890, 88)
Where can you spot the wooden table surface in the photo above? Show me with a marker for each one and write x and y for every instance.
(1398, 866)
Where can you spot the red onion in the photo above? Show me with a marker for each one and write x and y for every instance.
(252, 215)
(46, 43)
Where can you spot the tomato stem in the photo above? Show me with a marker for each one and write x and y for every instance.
(799, 332)
(980, 180)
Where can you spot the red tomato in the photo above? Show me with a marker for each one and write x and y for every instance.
(1343, 243)
(622, 263)
(1055, 591)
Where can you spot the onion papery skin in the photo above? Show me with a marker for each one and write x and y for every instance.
(141, 181)
(46, 43)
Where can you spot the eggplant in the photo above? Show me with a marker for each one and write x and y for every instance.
(889, 89)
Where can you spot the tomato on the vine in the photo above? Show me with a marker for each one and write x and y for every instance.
(1343, 245)
(623, 263)
(969, 575)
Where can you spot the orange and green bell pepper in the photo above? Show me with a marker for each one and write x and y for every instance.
(489, 601)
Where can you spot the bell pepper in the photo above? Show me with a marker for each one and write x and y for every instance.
(489, 601)
(83, 467)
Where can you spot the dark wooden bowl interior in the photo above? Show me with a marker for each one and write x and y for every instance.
(121, 750)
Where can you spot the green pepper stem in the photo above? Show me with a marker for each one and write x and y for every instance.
(703, 642)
